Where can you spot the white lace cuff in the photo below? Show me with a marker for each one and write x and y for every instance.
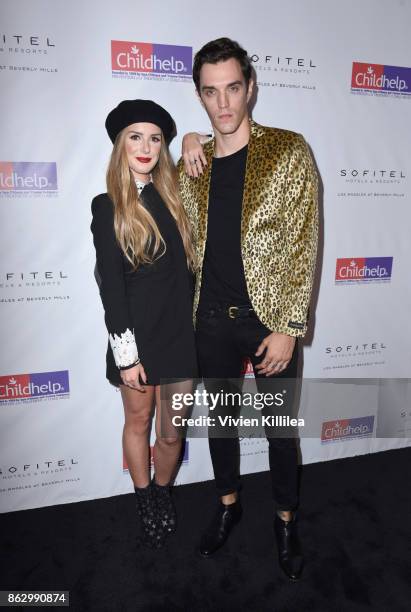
(124, 348)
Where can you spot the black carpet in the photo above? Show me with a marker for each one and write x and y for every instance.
(354, 524)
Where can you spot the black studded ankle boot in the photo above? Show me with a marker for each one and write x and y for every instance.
(152, 531)
(166, 512)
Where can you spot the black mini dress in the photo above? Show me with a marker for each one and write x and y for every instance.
(150, 308)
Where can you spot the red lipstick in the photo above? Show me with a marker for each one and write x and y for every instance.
(143, 160)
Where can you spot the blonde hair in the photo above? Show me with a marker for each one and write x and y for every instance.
(135, 228)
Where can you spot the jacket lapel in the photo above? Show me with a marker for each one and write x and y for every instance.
(255, 163)
(202, 196)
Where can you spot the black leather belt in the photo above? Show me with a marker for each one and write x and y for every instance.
(233, 312)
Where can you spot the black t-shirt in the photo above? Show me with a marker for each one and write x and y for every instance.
(223, 277)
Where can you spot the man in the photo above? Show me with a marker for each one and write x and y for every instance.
(254, 216)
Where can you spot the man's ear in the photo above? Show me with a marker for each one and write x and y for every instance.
(250, 89)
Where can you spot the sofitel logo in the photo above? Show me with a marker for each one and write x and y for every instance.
(42, 465)
(368, 175)
(284, 71)
(377, 78)
(151, 59)
(19, 43)
(30, 386)
(29, 277)
(363, 270)
(28, 176)
(349, 349)
(346, 429)
(289, 62)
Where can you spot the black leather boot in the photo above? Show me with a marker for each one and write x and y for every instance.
(220, 527)
(152, 533)
(289, 548)
(166, 512)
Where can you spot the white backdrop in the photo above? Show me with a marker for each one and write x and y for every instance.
(60, 74)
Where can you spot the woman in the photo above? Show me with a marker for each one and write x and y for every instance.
(144, 258)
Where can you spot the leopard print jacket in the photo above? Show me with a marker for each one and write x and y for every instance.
(279, 225)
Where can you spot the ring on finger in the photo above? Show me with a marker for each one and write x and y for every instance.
(193, 161)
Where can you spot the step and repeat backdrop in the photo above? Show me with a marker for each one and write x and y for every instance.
(339, 72)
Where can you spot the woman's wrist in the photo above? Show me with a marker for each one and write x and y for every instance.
(132, 365)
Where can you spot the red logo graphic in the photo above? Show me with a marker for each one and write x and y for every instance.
(130, 56)
(247, 369)
(366, 75)
(19, 385)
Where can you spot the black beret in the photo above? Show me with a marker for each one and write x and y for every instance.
(139, 111)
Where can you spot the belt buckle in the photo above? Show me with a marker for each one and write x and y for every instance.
(232, 310)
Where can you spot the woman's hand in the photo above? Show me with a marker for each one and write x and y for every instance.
(131, 377)
(193, 154)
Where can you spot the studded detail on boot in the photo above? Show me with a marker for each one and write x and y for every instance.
(166, 511)
(153, 533)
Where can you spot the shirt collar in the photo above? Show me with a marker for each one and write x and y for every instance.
(140, 185)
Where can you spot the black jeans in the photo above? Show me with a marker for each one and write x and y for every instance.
(222, 344)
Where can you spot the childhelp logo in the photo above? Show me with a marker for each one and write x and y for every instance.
(363, 270)
(150, 60)
(32, 387)
(28, 178)
(379, 79)
(346, 429)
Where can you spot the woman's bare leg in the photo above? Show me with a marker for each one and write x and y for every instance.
(167, 447)
(138, 408)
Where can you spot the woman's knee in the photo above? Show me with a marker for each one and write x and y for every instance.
(137, 423)
(169, 441)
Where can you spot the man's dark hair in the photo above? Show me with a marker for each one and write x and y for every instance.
(220, 50)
